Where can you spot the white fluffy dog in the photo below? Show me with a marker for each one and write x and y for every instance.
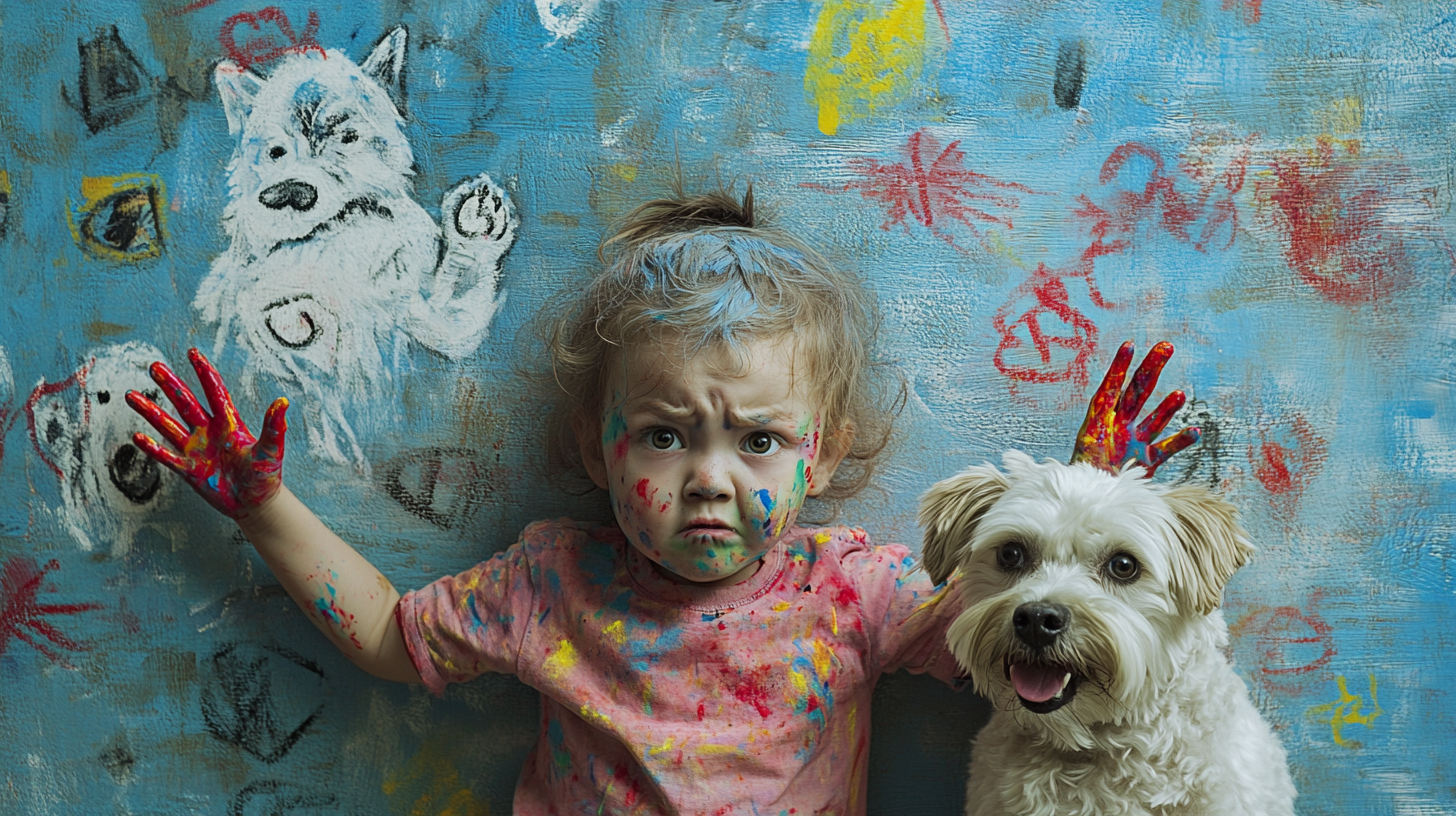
(1092, 622)
(333, 265)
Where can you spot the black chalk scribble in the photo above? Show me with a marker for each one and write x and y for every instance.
(444, 486)
(240, 706)
(270, 798)
(1071, 73)
(113, 85)
(1201, 463)
(118, 760)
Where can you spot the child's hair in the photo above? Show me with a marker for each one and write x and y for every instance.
(699, 273)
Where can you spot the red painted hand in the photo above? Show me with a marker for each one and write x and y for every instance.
(1108, 440)
(220, 458)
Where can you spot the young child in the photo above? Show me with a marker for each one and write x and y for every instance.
(703, 651)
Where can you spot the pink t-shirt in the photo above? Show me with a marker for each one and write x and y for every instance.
(660, 698)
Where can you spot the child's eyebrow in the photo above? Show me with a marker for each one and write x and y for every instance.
(761, 416)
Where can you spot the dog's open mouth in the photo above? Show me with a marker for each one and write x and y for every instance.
(1042, 687)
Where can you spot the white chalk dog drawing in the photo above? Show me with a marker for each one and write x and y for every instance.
(1092, 622)
(332, 265)
(81, 428)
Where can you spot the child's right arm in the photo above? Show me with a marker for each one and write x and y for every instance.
(341, 592)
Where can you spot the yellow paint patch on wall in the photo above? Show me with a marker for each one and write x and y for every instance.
(625, 172)
(1342, 117)
(119, 218)
(429, 784)
(863, 56)
(563, 660)
(4, 182)
(1348, 710)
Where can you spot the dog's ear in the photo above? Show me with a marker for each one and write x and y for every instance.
(385, 65)
(949, 512)
(1213, 546)
(237, 87)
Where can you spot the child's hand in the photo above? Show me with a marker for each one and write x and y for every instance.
(220, 458)
(1107, 438)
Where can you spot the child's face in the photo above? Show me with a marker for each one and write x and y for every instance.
(708, 468)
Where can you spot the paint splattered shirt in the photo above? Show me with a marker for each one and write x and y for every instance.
(663, 698)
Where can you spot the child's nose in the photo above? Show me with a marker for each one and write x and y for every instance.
(709, 481)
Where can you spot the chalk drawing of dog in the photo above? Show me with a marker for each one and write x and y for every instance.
(332, 265)
(81, 428)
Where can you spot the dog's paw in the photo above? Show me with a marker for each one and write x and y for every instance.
(480, 209)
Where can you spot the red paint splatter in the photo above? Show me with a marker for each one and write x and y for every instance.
(751, 687)
(1332, 211)
(933, 187)
(702, 710)
(262, 48)
(620, 449)
(1286, 469)
(812, 705)
(20, 582)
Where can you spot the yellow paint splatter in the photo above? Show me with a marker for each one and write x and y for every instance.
(822, 537)
(591, 715)
(1347, 711)
(781, 606)
(625, 172)
(563, 660)
(823, 657)
(864, 55)
(1342, 117)
(834, 619)
(430, 785)
(714, 748)
(617, 631)
(666, 746)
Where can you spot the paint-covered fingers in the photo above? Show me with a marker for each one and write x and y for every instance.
(153, 449)
(1162, 451)
(180, 395)
(275, 427)
(170, 429)
(217, 394)
(1155, 422)
(1143, 381)
(1107, 392)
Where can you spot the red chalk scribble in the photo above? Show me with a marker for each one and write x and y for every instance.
(21, 614)
(44, 389)
(264, 46)
(1289, 644)
(1340, 236)
(933, 187)
(1062, 345)
(1252, 9)
(1286, 469)
(189, 8)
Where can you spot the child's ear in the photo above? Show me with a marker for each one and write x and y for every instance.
(831, 453)
(588, 440)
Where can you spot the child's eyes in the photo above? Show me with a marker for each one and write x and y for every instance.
(761, 443)
(663, 439)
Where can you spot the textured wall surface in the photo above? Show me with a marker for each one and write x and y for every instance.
(1267, 184)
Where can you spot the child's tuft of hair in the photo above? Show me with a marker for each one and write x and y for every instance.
(700, 272)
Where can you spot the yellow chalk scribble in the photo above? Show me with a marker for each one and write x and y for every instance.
(863, 56)
(1342, 117)
(119, 218)
(1347, 711)
(430, 785)
(561, 661)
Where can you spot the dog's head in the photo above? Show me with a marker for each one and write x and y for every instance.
(321, 141)
(1081, 586)
(82, 429)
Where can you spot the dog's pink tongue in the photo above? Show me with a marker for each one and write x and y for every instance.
(1037, 683)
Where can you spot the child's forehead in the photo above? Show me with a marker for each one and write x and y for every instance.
(759, 378)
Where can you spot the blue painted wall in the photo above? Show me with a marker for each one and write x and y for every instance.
(1267, 184)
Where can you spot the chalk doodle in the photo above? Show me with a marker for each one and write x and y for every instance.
(119, 218)
(429, 784)
(271, 37)
(1349, 709)
(240, 707)
(273, 798)
(4, 202)
(118, 760)
(863, 57)
(113, 85)
(1057, 350)
(1353, 228)
(933, 187)
(8, 412)
(332, 266)
(1202, 463)
(1291, 646)
(444, 486)
(81, 428)
(22, 615)
(1285, 468)
(564, 18)
(1071, 72)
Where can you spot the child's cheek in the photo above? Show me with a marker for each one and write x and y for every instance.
(649, 500)
(761, 511)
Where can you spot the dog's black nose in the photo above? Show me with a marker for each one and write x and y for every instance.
(134, 473)
(296, 194)
(1039, 624)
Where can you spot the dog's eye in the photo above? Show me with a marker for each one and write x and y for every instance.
(277, 153)
(349, 137)
(1011, 556)
(1123, 567)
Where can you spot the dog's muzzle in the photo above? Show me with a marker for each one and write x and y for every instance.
(1039, 624)
(1043, 687)
(299, 195)
(134, 473)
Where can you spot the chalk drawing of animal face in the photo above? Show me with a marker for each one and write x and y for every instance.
(82, 427)
(332, 266)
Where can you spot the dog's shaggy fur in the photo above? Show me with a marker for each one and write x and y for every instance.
(1092, 623)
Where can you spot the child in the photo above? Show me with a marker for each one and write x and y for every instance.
(704, 651)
